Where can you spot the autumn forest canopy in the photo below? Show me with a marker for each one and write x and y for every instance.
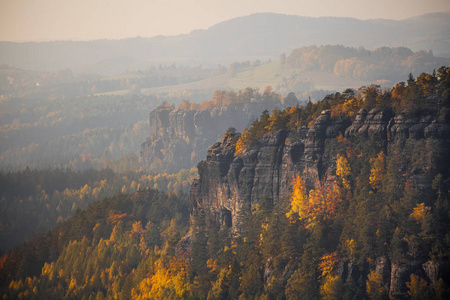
(127, 234)
(267, 157)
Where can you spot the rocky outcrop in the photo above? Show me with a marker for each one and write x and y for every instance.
(229, 183)
(226, 182)
(179, 138)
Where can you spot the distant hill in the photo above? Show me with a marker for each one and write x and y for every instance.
(261, 36)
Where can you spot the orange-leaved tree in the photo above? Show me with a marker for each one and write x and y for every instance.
(321, 203)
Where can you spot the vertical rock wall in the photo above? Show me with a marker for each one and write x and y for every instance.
(227, 183)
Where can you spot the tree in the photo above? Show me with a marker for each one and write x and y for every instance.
(185, 105)
(332, 288)
(298, 198)
(411, 81)
(219, 97)
(375, 288)
(418, 288)
(321, 203)
(419, 213)
(328, 263)
(378, 170)
(370, 95)
(343, 170)
(301, 285)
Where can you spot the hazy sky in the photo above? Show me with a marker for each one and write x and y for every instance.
(24, 20)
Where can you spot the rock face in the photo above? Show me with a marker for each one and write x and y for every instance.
(228, 183)
(179, 138)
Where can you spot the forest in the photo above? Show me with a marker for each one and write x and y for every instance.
(35, 201)
(324, 241)
(358, 63)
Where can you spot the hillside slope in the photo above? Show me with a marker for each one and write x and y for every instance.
(103, 251)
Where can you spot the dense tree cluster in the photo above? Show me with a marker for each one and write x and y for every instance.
(358, 63)
(35, 201)
(108, 250)
(375, 205)
(229, 98)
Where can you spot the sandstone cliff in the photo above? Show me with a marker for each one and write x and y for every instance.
(179, 138)
(229, 183)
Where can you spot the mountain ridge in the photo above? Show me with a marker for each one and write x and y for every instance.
(257, 36)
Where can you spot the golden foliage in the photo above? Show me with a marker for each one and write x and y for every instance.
(328, 263)
(352, 106)
(419, 213)
(337, 111)
(117, 216)
(378, 170)
(347, 109)
(168, 281)
(298, 198)
(332, 288)
(220, 285)
(374, 285)
(240, 144)
(322, 201)
(418, 288)
(343, 170)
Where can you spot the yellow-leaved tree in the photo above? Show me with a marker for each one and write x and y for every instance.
(343, 171)
(374, 286)
(168, 281)
(299, 198)
(418, 288)
(332, 288)
(241, 143)
(321, 203)
(377, 170)
(419, 213)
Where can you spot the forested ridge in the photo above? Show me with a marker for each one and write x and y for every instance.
(322, 241)
(375, 223)
(34, 201)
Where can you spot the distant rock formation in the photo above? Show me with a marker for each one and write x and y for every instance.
(179, 138)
